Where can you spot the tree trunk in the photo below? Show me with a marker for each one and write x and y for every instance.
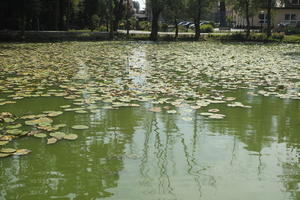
(247, 19)
(176, 28)
(197, 28)
(197, 21)
(127, 20)
(269, 28)
(154, 28)
(223, 14)
(67, 26)
(23, 19)
(111, 30)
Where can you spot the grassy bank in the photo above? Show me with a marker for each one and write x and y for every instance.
(53, 36)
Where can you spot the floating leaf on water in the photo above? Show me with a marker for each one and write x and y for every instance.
(47, 128)
(65, 106)
(58, 135)
(14, 126)
(155, 109)
(40, 135)
(80, 127)
(7, 138)
(217, 116)
(187, 118)
(195, 107)
(29, 117)
(59, 125)
(71, 137)
(3, 143)
(230, 98)
(51, 140)
(21, 152)
(14, 131)
(54, 113)
(81, 111)
(43, 121)
(3, 155)
(206, 114)
(8, 120)
(134, 105)
(171, 111)
(8, 150)
(214, 110)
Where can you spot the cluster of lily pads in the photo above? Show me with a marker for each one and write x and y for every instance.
(42, 127)
(122, 74)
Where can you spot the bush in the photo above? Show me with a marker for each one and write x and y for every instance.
(102, 28)
(144, 25)
(278, 36)
(95, 20)
(292, 30)
(206, 28)
(164, 27)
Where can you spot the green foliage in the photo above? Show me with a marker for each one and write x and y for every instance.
(164, 27)
(102, 28)
(206, 28)
(292, 30)
(144, 25)
(278, 36)
(95, 20)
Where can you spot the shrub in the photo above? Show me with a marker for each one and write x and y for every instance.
(206, 28)
(292, 30)
(144, 25)
(278, 36)
(102, 28)
(95, 20)
(164, 27)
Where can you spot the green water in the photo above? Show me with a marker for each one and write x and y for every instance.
(131, 153)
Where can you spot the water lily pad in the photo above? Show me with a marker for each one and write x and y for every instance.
(71, 137)
(14, 126)
(21, 152)
(171, 111)
(14, 131)
(217, 116)
(3, 143)
(65, 106)
(8, 120)
(3, 155)
(54, 113)
(187, 118)
(80, 127)
(40, 135)
(155, 109)
(43, 121)
(51, 140)
(58, 135)
(8, 150)
(81, 111)
(214, 110)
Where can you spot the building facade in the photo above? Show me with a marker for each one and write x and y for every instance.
(282, 15)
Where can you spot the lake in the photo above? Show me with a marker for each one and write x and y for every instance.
(153, 121)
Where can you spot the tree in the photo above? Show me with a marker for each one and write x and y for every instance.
(157, 7)
(173, 11)
(247, 9)
(223, 22)
(196, 8)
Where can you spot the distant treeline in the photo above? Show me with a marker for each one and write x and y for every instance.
(42, 15)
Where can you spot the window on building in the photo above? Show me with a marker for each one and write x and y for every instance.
(295, 2)
(262, 18)
(287, 17)
(290, 17)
